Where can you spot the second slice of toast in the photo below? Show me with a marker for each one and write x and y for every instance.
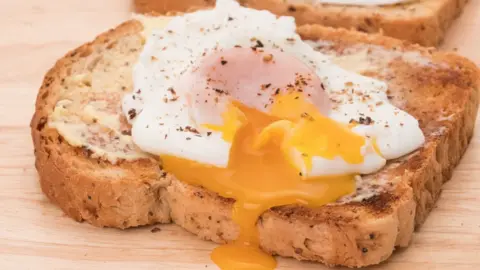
(89, 166)
(423, 21)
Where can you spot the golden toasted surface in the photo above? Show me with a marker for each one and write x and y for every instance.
(423, 21)
(440, 89)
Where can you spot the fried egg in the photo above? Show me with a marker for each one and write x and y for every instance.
(190, 72)
(233, 100)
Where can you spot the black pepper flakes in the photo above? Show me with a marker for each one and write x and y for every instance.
(365, 121)
(191, 129)
(292, 9)
(220, 91)
(171, 90)
(259, 44)
(266, 86)
(132, 113)
(307, 116)
(364, 250)
(223, 62)
(209, 133)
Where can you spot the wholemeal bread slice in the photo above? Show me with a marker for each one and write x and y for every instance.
(89, 166)
(423, 21)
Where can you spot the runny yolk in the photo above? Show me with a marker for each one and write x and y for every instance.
(263, 172)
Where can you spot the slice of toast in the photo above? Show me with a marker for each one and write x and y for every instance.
(89, 166)
(423, 21)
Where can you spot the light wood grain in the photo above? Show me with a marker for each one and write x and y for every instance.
(35, 234)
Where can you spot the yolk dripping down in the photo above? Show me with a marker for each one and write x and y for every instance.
(261, 173)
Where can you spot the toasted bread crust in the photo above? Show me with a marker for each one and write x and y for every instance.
(353, 234)
(422, 22)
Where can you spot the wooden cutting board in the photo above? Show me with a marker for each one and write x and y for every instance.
(35, 234)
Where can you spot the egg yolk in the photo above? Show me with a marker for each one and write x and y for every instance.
(270, 154)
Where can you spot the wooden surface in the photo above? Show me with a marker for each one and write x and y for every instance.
(35, 234)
